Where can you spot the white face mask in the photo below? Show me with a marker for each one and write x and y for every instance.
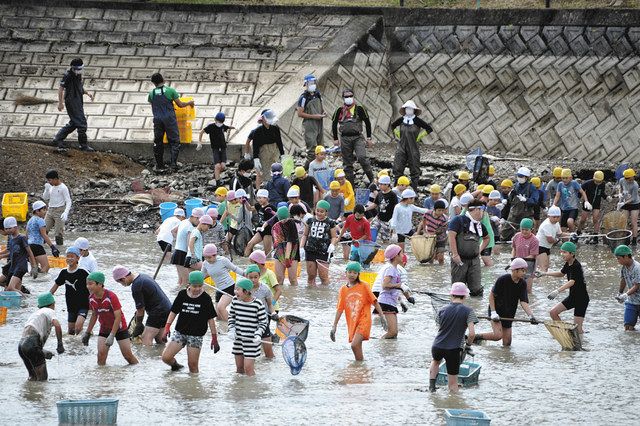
(311, 88)
(409, 112)
(77, 72)
(522, 180)
(219, 124)
(269, 121)
(348, 101)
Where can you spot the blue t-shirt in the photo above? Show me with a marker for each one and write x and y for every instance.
(148, 295)
(18, 256)
(569, 195)
(453, 320)
(33, 230)
(631, 277)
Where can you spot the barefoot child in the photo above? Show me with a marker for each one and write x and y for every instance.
(247, 325)
(218, 268)
(194, 309)
(355, 300)
(401, 221)
(216, 132)
(19, 255)
(194, 252)
(74, 280)
(525, 245)
(578, 298)
(319, 242)
(434, 222)
(263, 293)
(105, 308)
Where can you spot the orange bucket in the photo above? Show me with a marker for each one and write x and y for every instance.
(3, 315)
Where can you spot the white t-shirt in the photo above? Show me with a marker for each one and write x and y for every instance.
(547, 229)
(57, 196)
(88, 263)
(377, 283)
(164, 232)
(42, 321)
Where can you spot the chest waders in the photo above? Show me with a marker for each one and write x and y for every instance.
(77, 121)
(353, 147)
(519, 210)
(407, 152)
(312, 129)
(468, 272)
(164, 121)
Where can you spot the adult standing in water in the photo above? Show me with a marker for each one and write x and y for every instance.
(629, 286)
(310, 110)
(264, 145)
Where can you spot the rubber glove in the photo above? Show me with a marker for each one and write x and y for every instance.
(332, 334)
(64, 216)
(54, 251)
(588, 206)
(198, 147)
(247, 156)
(232, 333)
(383, 323)
(257, 164)
(346, 202)
(257, 338)
(331, 249)
(48, 354)
(500, 206)
(85, 338)
(552, 295)
(167, 330)
(622, 297)
(533, 320)
(139, 329)
(573, 237)
(60, 348)
(110, 339)
(411, 300)
(495, 317)
(274, 316)
(214, 343)
(522, 198)
(34, 272)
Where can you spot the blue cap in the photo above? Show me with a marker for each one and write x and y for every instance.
(309, 77)
(282, 204)
(220, 116)
(276, 167)
(73, 250)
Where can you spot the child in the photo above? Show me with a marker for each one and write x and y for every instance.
(220, 197)
(401, 221)
(309, 186)
(263, 293)
(247, 325)
(179, 257)
(455, 207)
(194, 254)
(629, 200)
(319, 242)
(286, 245)
(435, 194)
(76, 293)
(384, 202)
(453, 320)
(19, 255)
(629, 285)
(194, 309)
(166, 232)
(218, 268)
(216, 234)
(242, 178)
(568, 195)
(37, 236)
(506, 186)
(360, 230)
(238, 213)
(293, 197)
(319, 168)
(87, 261)
(34, 336)
(355, 300)
(578, 298)
(335, 200)
(402, 184)
(105, 308)
(548, 234)
(525, 245)
(278, 186)
(434, 222)
(346, 189)
(57, 194)
(216, 132)
(263, 212)
(392, 288)
(267, 276)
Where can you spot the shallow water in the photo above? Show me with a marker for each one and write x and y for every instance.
(533, 382)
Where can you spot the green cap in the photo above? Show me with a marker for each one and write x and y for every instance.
(283, 213)
(622, 250)
(245, 284)
(45, 299)
(196, 278)
(97, 277)
(252, 268)
(526, 223)
(354, 266)
(568, 247)
(323, 204)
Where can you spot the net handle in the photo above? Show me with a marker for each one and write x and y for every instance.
(510, 319)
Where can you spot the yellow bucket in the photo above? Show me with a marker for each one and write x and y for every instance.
(3, 315)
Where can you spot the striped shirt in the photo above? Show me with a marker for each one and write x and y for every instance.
(248, 318)
(436, 225)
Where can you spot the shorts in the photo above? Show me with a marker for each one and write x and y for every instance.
(219, 155)
(232, 231)
(190, 261)
(179, 258)
(312, 256)
(566, 215)
(486, 252)
(120, 335)
(631, 314)
(18, 273)
(505, 324)
(30, 350)
(266, 232)
(186, 340)
(157, 320)
(5, 270)
(631, 207)
(388, 309)
(163, 246)
(544, 250)
(279, 251)
(531, 266)
(579, 306)
(37, 250)
(451, 356)
(246, 347)
(229, 290)
(402, 238)
(73, 314)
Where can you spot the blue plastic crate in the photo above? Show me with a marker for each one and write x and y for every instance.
(469, 374)
(10, 299)
(456, 417)
(88, 411)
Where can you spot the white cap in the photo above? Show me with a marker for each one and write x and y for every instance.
(554, 211)
(384, 180)
(262, 193)
(38, 205)
(410, 104)
(466, 198)
(524, 171)
(495, 195)
(178, 212)
(293, 192)
(408, 193)
(241, 193)
(82, 243)
(10, 222)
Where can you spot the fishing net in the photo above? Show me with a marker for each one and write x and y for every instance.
(241, 240)
(618, 237)
(614, 220)
(367, 251)
(291, 325)
(294, 352)
(566, 334)
(438, 301)
(423, 247)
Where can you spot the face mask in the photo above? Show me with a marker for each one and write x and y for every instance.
(268, 121)
(219, 124)
(77, 72)
(348, 101)
(522, 180)
(311, 88)
(409, 112)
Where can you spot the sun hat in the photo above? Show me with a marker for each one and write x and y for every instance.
(258, 256)
(518, 263)
(119, 272)
(210, 250)
(459, 289)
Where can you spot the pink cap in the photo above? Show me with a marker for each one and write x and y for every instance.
(258, 256)
(119, 272)
(197, 212)
(518, 263)
(206, 219)
(231, 195)
(392, 251)
(213, 212)
(459, 289)
(210, 250)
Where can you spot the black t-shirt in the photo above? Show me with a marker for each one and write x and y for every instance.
(306, 185)
(386, 203)
(594, 192)
(73, 87)
(578, 291)
(319, 236)
(148, 295)
(75, 283)
(507, 294)
(263, 136)
(263, 214)
(193, 313)
(216, 135)
(18, 255)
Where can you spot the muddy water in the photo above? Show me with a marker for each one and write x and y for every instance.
(533, 382)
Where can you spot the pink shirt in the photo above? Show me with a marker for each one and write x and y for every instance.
(525, 247)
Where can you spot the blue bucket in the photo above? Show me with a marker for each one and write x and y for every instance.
(191, 204)
(166, 210)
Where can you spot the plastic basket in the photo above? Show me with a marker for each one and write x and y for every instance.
(288, 165)
(88, 411)
(57, 262)
(456, 417)
(15, 204)
(10, 299)
(469, 374)
(379, 257)
(617, 238)
(185, 132)
(186, 113)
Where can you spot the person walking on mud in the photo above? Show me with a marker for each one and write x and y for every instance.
(409, 130)
(310, 110)
(70, 95)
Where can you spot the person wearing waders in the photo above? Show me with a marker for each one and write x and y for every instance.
(161, 99)
(310, 110)
(520, 203)
(70, 95)
(409, 130)
(348, 119)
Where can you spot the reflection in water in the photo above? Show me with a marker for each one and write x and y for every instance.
(356, 373)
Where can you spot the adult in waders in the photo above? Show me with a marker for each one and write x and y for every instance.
(70, 95)
(348, 120)
(410, 130)
(520, 203)
(465, 233)
(264, 145)
(164, 120)
(310, 110)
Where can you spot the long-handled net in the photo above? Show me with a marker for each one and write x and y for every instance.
(294, 352)
(423, 247)
(566, 334)
(367, 251)
(439, 301)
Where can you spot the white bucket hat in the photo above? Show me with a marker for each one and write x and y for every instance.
(410, 104)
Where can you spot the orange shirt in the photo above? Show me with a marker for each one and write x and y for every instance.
(356, 303)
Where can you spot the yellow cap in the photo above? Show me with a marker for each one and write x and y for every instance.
(557, 172)
(508, 183)
(383, 172)
(566, 173)
(403, 180)
(320, 149)
(480, 188)
(334, 184)
(598, 175)
(338, 173)
(295, 187)
(629, 173)
(492, 170)
(300, 171)
(222, 191)
(536, 181)
(464, 175)
(435, 189)
(487, 189)
(459, 189)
